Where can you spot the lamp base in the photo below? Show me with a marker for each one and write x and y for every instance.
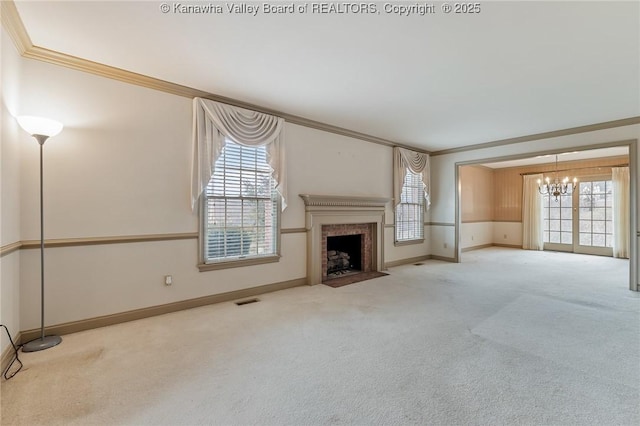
(41, 344)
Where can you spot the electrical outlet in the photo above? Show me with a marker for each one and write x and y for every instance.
(505, 236)
(472, 238)
(445, 245)
(168, 280)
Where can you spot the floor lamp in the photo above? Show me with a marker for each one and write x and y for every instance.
(41, 129)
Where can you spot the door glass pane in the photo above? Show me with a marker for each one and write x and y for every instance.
(585, 239)
(595, 213)
(558, 217)
(585, 226)
(598, 240)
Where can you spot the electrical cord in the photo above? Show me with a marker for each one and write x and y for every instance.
(15, 357)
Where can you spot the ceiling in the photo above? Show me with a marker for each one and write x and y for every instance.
(433, 82)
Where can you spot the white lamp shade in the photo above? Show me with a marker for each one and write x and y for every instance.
(39, 125)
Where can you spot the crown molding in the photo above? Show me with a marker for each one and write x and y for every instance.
(546, 135)
(12, 22)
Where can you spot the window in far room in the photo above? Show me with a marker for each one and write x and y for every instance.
(580, 221)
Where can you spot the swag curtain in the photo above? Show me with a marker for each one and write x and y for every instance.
(620, 178)
(417, 162)
(213, 122)
(532, 230)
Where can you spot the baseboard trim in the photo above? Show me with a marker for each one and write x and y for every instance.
(466, 249)
(507, 245)
(400, 262)
(136, 314)
(7, 353)
(418, 259)
(443, 258)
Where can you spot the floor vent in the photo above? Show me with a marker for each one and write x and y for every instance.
(418, 264)
(246, 302)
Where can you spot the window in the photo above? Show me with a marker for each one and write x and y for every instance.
(410, 211)
(558, 218)
(241, 206)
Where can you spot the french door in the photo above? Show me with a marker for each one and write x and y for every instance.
(582, 220)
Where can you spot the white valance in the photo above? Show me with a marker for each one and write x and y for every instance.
(417, 162)
(214, 122)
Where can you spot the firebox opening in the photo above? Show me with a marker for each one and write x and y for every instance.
(344, 255)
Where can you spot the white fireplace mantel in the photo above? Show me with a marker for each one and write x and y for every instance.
(342, 201)
(336, 210)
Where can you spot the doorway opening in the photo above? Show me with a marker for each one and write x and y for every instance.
(581, 222)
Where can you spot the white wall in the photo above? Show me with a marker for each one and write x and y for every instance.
(443, 167)
(322, 163)
(10, 190)
(508, 233)
(119, 167)
(122, 167)
(411, 251)
(474, 234)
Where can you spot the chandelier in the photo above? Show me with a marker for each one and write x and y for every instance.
(556, 188)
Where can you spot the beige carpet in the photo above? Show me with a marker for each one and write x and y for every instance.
(507, 337)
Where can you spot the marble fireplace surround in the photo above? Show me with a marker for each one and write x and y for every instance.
(341, 210)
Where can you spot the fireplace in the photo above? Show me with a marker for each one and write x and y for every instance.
(346, 248)
(359, 219)
(344, 255)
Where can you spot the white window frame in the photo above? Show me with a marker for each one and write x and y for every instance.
(241, 259)
(412, 196)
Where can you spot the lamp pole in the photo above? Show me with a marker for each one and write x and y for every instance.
(41, 140)
(41, 130)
